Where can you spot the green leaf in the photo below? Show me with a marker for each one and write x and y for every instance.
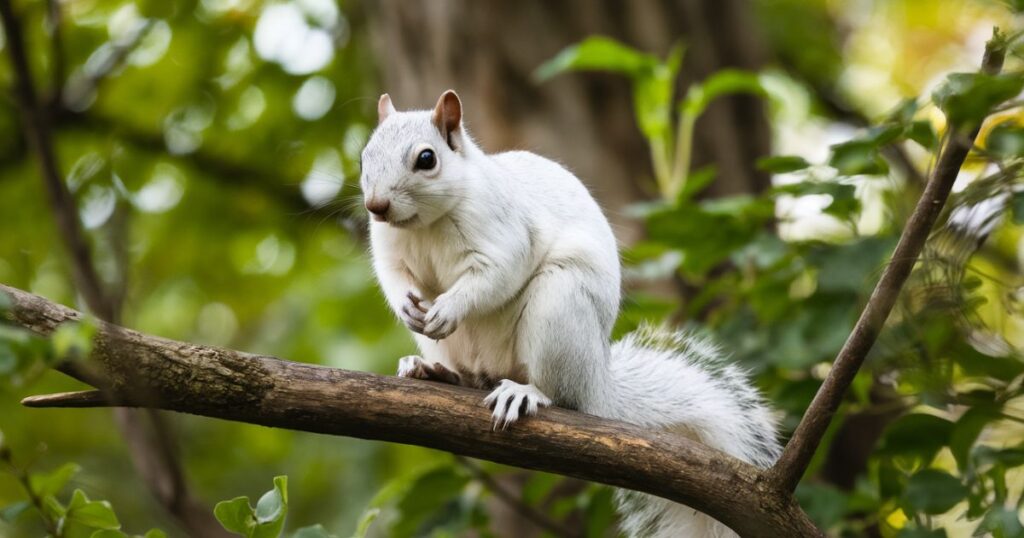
(11, 512)
(93, 514)
(424, 497)
(155, 533)
(1001, 522)
(273, 505)
(271, 510)
(967, 98)
(365, 521)
(314, 531)
(1017, 206)
(724, 82)
(48, 484)
(782, 164)
(825, 504)
(844, 204)
(923, 133)
(976, 363)
(236, 515)
(933, 492)
(916, 435)
(858, 157)
(599, 511)
(918, 532)
(598, 53)
(1005, 140)
(967, 430)
(108, 533)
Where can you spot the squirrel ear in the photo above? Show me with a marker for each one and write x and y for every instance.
(448, 117)
(384, 108)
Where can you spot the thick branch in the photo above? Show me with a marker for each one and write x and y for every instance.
(801, 447)
(145, 371)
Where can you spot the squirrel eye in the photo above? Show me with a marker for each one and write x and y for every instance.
(426, 160)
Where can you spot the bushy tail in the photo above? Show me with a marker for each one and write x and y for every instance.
(680, 382)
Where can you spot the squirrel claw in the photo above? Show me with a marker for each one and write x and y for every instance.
(511, 399)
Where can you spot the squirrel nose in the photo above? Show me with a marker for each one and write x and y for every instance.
(378, 207)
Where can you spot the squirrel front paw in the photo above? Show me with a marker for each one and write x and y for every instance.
(415, 367)
(413, 312)
(442, 318)
(510, 399)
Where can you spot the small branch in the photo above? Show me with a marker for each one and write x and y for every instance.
(527, 512)
(801, 447)
(146, 371)
(79, 399)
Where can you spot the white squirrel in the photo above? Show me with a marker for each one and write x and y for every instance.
(507, 272)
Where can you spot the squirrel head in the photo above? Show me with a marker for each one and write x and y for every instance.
(413, 166)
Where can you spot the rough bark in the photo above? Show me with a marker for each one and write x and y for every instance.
(133, 369)
(488, 52)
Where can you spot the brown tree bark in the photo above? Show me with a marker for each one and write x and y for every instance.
(488, 51)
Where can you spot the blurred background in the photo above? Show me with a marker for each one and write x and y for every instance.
(211, 152)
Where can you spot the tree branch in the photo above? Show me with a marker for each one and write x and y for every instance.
(133, 369)
(801, 447)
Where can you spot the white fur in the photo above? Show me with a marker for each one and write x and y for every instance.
(519, 275)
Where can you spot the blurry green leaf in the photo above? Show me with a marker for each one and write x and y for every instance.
(74, 340)
(933, 491)
(11, 512)
(726, 81)
(1006, 457)
(844, 204)
(155, 533)
(1017, 206)
(598, 53)
(538, 486)
(697, 181)
(47, 484)
(916, 435)
(782, 164)
(108, 533)
(93, 514)
(425, 496)
(967, 98)
(1005, 140)
(853, 267)
(365, 521)
(923, 133)
(236, 515)
(599, 511)
(967, 429)
(825, 504)
(317, 531)
(6, 303)
(976, 363)
(858, 157)
(918, 532)
(1001, 522)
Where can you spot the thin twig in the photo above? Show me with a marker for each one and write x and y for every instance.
(529, 513)
(808, 435)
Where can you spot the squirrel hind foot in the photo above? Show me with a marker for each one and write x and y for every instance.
(511, 400)
(413, 366)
